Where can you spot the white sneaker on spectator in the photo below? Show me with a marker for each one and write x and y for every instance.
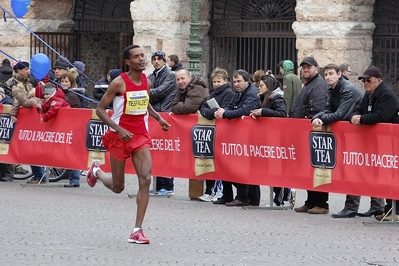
(206, 197)
(218, 195)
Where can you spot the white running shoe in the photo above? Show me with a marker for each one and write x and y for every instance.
(206, 197)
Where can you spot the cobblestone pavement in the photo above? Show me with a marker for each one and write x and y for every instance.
(83, 226)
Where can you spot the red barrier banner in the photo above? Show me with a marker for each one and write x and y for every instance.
(281, 152)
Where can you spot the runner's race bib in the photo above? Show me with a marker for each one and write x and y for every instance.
(137, 102)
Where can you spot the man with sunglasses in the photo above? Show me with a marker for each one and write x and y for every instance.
(378, 105)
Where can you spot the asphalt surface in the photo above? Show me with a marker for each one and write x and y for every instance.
(52, 225)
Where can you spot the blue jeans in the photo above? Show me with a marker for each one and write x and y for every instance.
(165, 183)
(74, 177)
(38, 172)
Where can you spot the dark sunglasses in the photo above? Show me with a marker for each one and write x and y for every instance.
(366, 80)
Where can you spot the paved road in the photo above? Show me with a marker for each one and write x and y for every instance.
(84, 226)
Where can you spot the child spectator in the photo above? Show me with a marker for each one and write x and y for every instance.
(53, 100)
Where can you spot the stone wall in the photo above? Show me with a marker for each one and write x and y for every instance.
(100, 52)
(161, 25)
(336, 33)
(15, 38)
(165, 25)
(340, 32)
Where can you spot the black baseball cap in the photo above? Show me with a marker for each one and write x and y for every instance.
(310, 61)
(371, 71)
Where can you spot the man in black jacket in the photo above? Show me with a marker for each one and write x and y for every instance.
(162, 93)
(244, 100)
(163, 83)
(343, 96)
(173, 63)
(378, 105)
(311, 100)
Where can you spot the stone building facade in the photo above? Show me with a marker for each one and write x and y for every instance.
(340, 32)
(99, 49)
(43, 15)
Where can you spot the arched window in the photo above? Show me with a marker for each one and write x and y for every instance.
(103, 15)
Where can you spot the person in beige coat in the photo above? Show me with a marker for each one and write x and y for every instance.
(190, 95)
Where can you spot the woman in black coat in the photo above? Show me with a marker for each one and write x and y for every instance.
(273, 105)
(222, 94)
(271, 97)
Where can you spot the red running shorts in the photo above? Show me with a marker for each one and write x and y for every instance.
(120, 149)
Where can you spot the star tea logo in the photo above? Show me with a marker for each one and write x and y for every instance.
(94, 132)
(7, 127)
(322, 150)
(203, 141)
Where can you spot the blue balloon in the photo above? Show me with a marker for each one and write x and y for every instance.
(40, 65)
(20, 7)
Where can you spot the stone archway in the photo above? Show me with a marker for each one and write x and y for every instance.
(106, 27)
(92, 31)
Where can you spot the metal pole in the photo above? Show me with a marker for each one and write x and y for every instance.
(393, 213)
(194, 50)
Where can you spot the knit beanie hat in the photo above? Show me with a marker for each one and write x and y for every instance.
(160, 54)
(79, 66)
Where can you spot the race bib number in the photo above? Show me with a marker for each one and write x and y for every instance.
(137, 102)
